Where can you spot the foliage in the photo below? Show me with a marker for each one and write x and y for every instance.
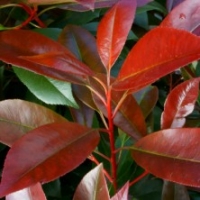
(102, 87)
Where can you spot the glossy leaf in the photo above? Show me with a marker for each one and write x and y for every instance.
(34, 192)
(131, 121)
(169, 151)
(122, 194)
(93, 186)
(17, 117)
(61, 62)
(62, 150)
(16, 44)
(184, 16)
(180, 103)
(113, 31)
(82, 44)
(48, 90)
(174, 49)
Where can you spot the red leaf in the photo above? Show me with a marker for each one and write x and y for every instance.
(17, 43)
(169, 151)
(17, 117)
(82, 44)
(113, 31)
(158, 53)
(60, 61)
(122, 194)
(34, 192)
(45, 154)
(180, 103)
(93, 186)
(184, 16)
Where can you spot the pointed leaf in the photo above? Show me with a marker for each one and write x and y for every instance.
(15, 44)
(83, 44)
(169, 151)
(62, 150)
(18, 117)
(180, 103)
(48, 90)
(122, 194)
(174, 49)
(184, 16)
(113, 31)
(93, 186)
(34, 192)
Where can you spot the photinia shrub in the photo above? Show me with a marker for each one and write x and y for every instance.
(112, 116)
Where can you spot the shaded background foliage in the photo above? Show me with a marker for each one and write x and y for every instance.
(51, 21)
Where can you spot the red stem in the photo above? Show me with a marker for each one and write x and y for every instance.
(32, 16)
(93, 159)
(138, 178)
(112, 140)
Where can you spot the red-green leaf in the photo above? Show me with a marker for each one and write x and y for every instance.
(113, 31)
(180, 103)
(158, 53)
(122, 194)
(34, 192)
(15, 44)
(169, 151)
(82, 44)
(45, 154)
(184, 16)
(18, 117)
(93, 186)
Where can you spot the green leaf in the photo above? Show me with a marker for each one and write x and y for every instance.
(48, 90)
